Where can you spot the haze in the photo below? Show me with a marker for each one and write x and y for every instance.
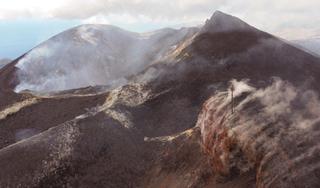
(42, 19)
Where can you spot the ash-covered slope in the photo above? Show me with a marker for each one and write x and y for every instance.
(91, 55)
(176, 128)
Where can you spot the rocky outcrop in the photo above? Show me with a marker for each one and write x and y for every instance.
(273, 131)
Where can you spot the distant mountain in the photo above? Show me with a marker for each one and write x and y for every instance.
(3, 62)
(311, 44)
(224, 105)
(91, 55)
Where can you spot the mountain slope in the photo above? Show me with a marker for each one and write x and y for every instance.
(172, 124)
(312, 45)
(91, 55)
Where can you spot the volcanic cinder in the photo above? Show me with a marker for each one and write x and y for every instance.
(223, 105)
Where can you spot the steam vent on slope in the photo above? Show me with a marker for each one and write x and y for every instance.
(97, 106)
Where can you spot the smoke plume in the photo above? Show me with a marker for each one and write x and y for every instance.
(93, 55)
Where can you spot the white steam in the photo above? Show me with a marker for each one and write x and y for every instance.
(301, 108)
(241, 87)
(92, 55)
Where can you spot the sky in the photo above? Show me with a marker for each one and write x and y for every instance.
(26, 23)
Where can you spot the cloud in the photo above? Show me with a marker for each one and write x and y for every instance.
(82, 9)
(290, 19)
(99, 19)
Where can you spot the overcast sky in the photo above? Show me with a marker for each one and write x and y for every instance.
(25, 23)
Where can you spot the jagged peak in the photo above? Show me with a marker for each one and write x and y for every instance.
(222, 22)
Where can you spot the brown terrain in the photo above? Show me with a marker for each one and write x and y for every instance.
(184, 128)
